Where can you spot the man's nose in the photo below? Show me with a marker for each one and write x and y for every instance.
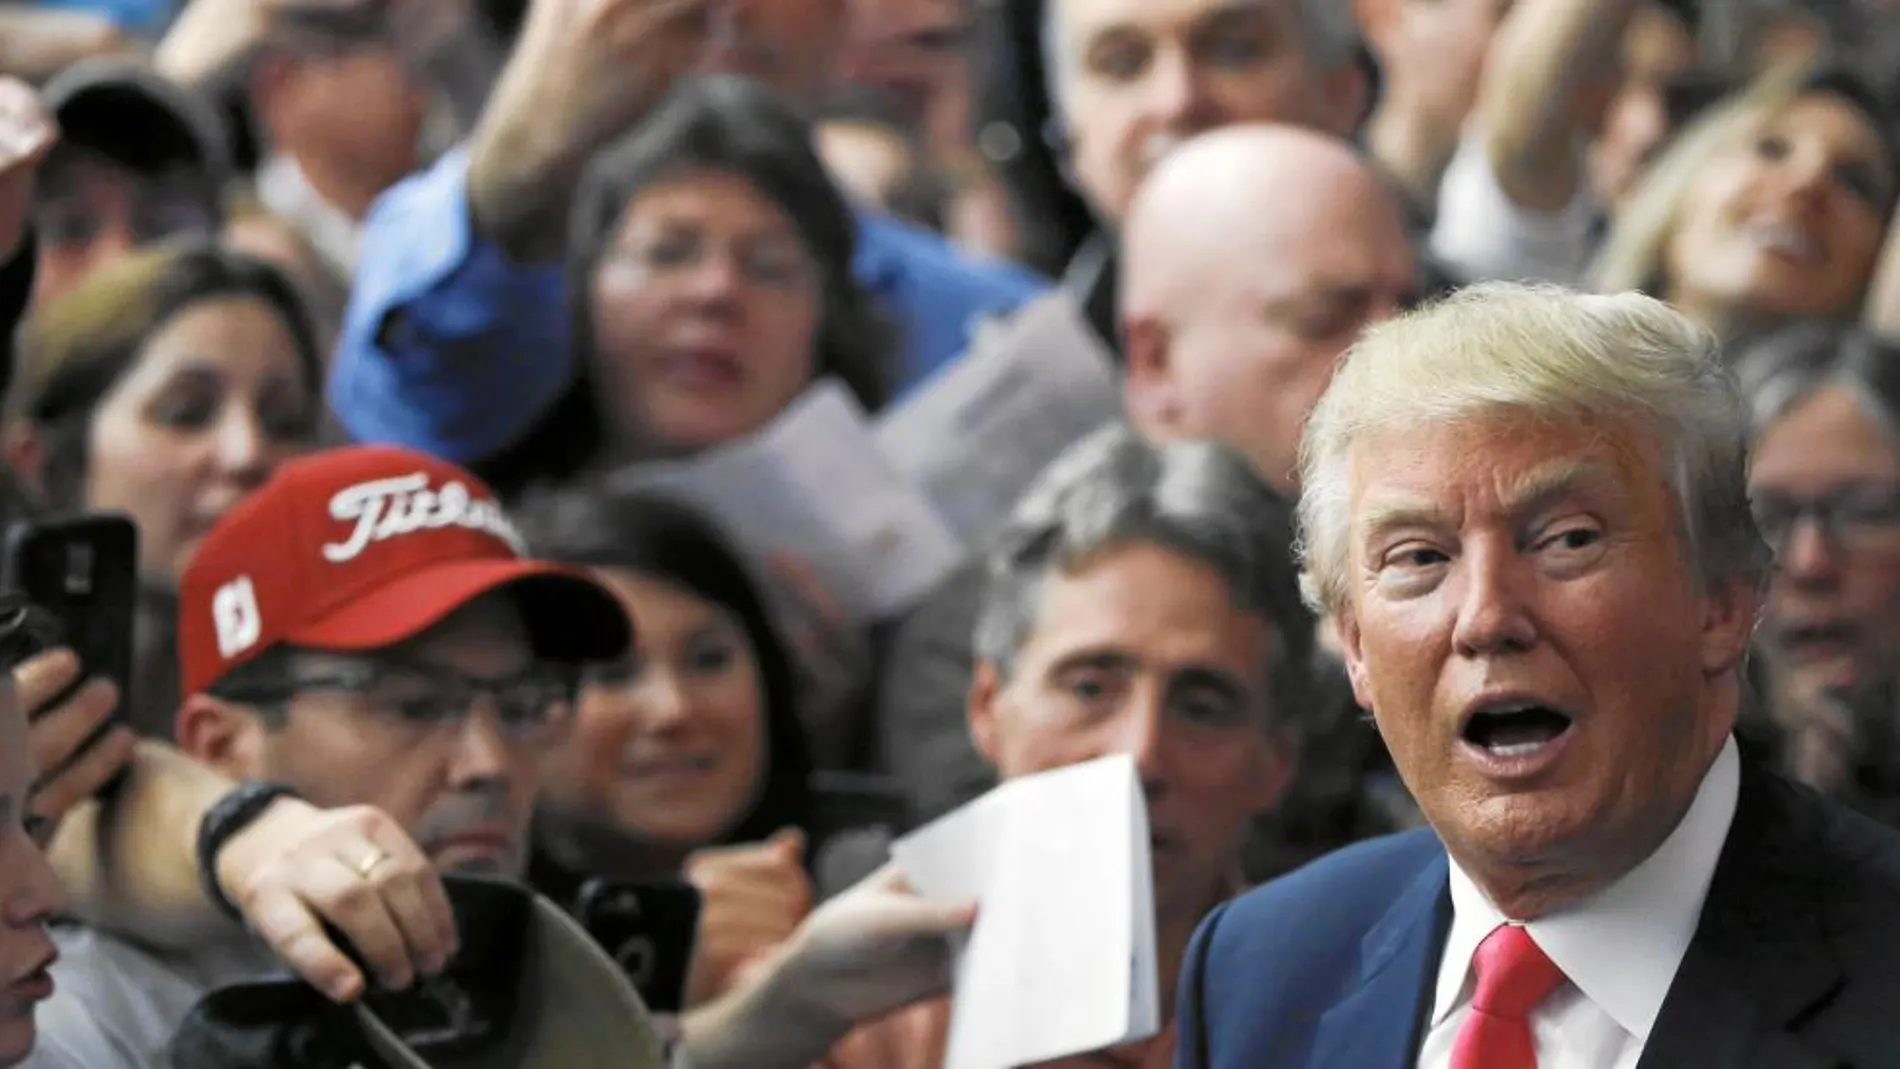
(1492, 615)
(1139, 732)
(483, 752)
(1177, 94)
(1806, 556)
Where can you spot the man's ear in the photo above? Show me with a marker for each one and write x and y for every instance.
(26, 455)
(986, 689)
(1348, 98)
(228, 737)
(1148, 391)
(1728, 625)
(271, 76)
(1346, 631)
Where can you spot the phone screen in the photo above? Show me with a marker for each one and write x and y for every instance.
(84, 573)
(649, 929)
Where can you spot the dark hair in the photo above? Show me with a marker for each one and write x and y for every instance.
(1198, 499)
(669, 541)
(740, 127)
(76, 349)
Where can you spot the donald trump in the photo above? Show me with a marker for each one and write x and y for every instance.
(1525, 512)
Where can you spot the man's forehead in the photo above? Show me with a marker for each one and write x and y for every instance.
(1119, 605)
(1510, 462)
(1078, 18)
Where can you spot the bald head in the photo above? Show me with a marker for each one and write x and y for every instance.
(1218, 202)
(1251, 257)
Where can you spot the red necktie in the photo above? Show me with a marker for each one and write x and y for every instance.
(1514, 976)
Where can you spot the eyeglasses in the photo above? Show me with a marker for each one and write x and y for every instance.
(1863, 518)
(777, 265)
(424, 698)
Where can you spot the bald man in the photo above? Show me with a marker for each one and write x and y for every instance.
(1252, 257)
(1255, 255)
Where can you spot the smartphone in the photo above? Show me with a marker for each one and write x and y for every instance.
(650, 930)
(83, 572)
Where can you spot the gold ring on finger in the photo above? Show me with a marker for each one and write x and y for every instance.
(368, 866)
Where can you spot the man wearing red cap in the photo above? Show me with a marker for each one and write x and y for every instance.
(363, 630)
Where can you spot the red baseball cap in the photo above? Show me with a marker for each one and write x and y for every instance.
(361, 548)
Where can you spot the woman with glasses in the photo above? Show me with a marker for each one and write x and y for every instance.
(1826, 489)
(710, 259)
(710, 264)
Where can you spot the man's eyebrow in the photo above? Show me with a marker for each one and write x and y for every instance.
(1534, 491)
(1384, 517)
(1099, 659)
(1543, 487)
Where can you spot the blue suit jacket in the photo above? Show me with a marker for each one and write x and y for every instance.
(1795, 963)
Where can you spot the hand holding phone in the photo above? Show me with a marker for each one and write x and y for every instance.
(83, 571)
(82, 574)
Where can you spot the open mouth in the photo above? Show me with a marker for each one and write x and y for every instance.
(1510, 730)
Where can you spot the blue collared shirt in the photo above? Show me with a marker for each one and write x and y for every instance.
(451, 348)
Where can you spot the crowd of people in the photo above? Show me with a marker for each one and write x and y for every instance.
(1490, 561)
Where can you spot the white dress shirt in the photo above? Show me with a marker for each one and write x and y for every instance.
(1619, 950)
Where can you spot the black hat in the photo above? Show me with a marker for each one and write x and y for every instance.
(134, 116)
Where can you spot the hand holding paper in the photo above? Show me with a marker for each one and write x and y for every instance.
(1061, 960)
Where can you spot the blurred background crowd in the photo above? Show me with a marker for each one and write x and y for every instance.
(557, 241)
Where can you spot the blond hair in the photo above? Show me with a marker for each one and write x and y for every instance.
(1633, 253)
(1505, 349)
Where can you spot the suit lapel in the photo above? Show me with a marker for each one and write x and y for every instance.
(1370, 1027)
(1760, 958)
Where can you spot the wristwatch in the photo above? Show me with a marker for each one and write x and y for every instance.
(232, 814)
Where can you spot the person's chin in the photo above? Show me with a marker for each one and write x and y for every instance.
(17, 1033)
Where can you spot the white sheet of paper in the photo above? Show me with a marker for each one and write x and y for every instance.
(1062, 958)
(978, 433)
(814, 486)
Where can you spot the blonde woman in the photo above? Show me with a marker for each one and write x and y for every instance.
(1769, 210)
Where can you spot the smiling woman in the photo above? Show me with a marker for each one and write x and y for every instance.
(166, 386)
(1771, 209)
(694, 739)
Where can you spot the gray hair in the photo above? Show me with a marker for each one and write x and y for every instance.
(1197, 499)
(1548, 353)
(1779, 371)
(1330, 30)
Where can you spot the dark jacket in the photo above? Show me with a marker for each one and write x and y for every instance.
(1791, 965)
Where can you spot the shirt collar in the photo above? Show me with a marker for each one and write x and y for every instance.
(1621, 948)
(287, 193)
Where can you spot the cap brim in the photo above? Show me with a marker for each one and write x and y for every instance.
(569, 616)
